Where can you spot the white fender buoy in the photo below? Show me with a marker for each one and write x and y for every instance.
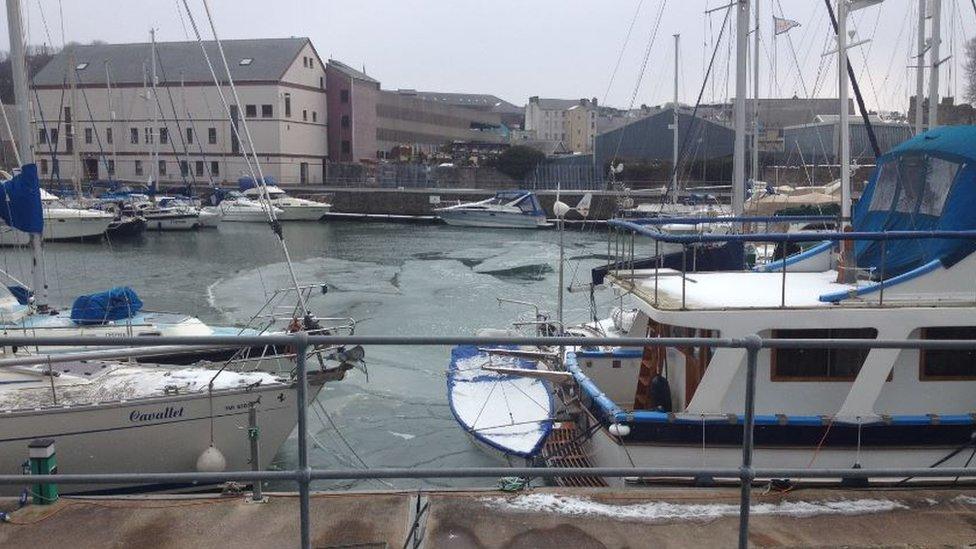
(619, 430)
(211, 461)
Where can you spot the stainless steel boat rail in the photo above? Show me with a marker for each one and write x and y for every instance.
(303, 475)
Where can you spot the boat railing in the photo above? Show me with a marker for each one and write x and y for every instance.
(303, 475)
(625, 265)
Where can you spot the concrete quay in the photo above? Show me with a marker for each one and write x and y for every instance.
(542, 517)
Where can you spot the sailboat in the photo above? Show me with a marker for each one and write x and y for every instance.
(61, 223)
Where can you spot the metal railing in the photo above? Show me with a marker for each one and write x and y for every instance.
(303, 475)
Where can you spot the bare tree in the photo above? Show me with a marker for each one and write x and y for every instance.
(970, 70)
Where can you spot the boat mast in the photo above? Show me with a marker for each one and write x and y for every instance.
(739, 151)
(18, 62)
(755, 98)
(154, 169)
(111, 114)
(674, 128)
(934, 61)
(845, 145)
(71, 129)
(920, 70)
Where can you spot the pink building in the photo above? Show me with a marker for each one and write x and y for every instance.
(351, 96)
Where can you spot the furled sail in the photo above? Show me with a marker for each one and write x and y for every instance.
(20, 201)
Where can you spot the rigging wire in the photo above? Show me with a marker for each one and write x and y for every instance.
(623, 48)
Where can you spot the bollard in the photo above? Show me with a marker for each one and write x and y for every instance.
(43, 462)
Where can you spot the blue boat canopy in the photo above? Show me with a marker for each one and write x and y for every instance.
(926, 183)
(20, 201)
(529, 204)
(246, 183)
(118, 303)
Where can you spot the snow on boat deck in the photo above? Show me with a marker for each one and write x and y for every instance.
(737, 290)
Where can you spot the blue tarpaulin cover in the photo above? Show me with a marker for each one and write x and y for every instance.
(20, 201)
(245, 183)
(117, 303)
(926, 183)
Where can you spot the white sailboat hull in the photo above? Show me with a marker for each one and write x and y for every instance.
(302, 213)
(62, 224)
(491, 220)
(152, 435)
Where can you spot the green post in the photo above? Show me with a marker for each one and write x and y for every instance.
(43, 462)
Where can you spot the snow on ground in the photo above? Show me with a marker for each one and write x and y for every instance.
(666, 511)
(968, 500)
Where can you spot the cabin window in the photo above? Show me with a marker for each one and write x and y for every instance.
(938, 182)
(944, 364)
(819, 364)
(923, 183)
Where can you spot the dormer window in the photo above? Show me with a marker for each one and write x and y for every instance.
(246, 61)
(81, 66)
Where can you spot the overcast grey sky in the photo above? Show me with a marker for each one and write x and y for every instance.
(519, 48)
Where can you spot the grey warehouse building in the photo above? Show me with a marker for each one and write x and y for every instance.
(650, 138)
(818, 142)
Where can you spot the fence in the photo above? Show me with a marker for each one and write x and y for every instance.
(303, 475)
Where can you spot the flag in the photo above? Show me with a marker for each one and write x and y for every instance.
(784, 25)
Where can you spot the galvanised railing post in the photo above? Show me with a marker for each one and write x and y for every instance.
(304, 474)
(752, 344)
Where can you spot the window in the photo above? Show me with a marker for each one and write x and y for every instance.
(55, 168)
(163, 136)
(42, 136)
(321, 83)
(266, 111)
(44, 166)
(108, 136)
(138, 167)
(944, 364)
(162, 167)
(288, 105)
(111, 167)
(303, 172)
(305, 114)
(134, 136)
(344, 96)
(914, 182)
(305, 61)
(54, 135)
(819, 364)
(212, 136)
(67, 115)
(311, 62)
(250, 111)
(81, 66)
(148, 134)
(199, 168)
(214, 167)
(346, 147)
(88, 136)
(184, 168)
(938, 183)
(315, 116)
(345, 121)
(189, 136)
(246, 61)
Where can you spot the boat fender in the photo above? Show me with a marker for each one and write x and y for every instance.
(619, 430)
(211, 461)
(661, 394)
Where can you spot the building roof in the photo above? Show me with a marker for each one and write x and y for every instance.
(550, 104)
(481, 101)
(270, 58)
(351, 72)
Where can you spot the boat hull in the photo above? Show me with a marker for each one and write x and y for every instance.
(175, 222)
(61, 228)
(159, 435)
(302, 213)
(491, 220)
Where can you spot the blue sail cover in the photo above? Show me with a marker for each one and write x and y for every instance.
(117, 303)
(20, 201)
(927, 183)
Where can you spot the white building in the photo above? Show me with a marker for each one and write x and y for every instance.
(100, 125)
(571, 122)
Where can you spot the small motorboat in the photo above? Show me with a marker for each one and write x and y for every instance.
(240, 209)
(126, 226)
(292, 208)
(506, 210)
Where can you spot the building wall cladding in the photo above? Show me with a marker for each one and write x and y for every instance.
(403, 119)
(291, 147)
(818, 143)
(351, 97)
(650, 138)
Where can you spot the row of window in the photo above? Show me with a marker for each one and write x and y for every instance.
(844, 364)
(139, 167)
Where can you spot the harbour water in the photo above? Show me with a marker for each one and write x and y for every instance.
(395, 279)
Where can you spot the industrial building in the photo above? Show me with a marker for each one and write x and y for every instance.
(651, 139)
(374, 123)
(818, 142)
(95, 109)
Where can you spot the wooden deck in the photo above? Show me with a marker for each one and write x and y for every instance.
(563, 450)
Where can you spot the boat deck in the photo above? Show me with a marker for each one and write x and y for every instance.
(559, 517)
(563, 450)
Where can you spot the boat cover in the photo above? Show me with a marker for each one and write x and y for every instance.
(927, 183)
(117, 303)
(529, 204)
(246, 183)
(20, 201)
